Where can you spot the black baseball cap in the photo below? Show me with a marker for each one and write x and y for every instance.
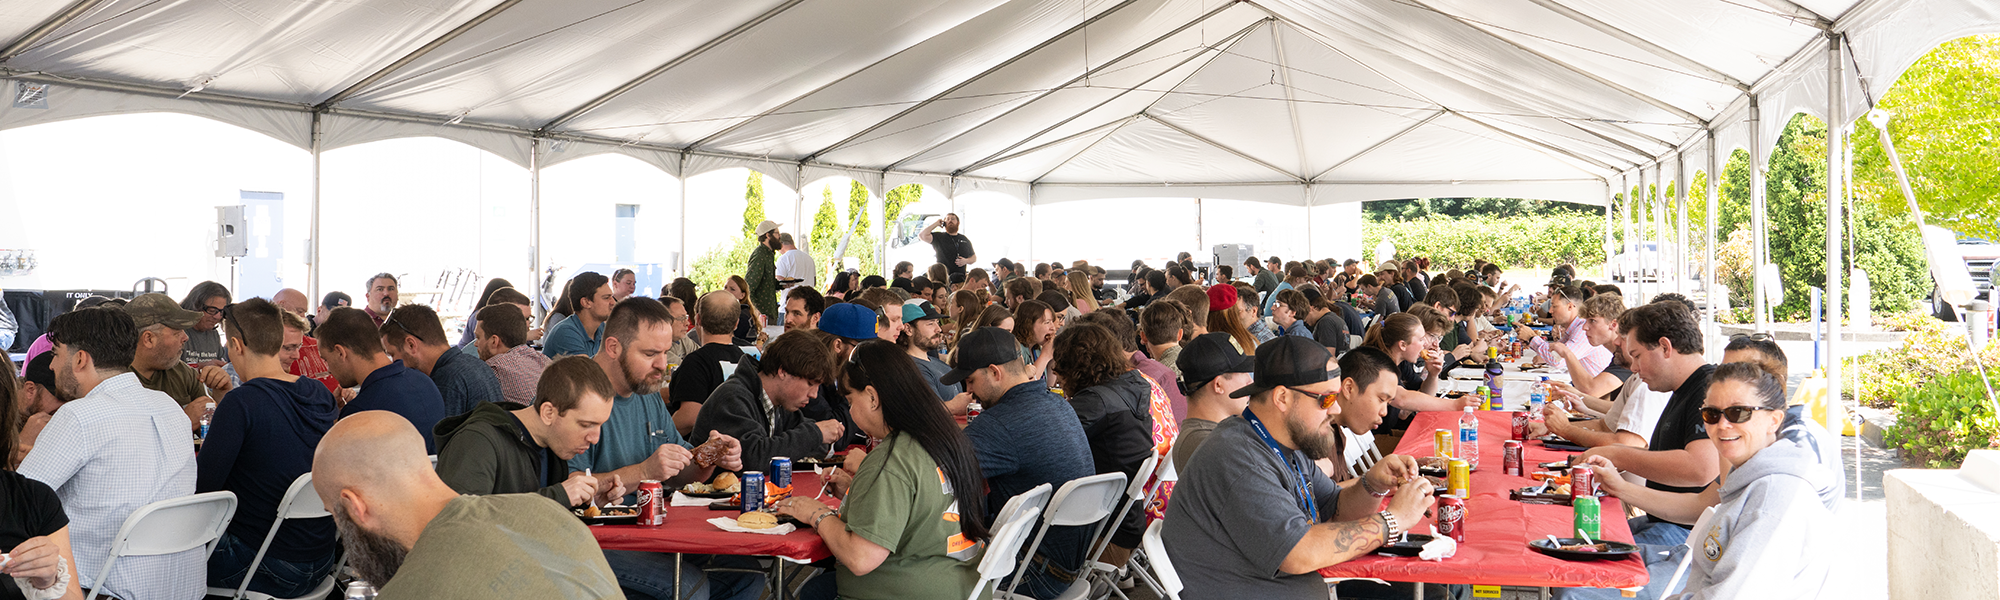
(336, 300)
(41, 370)
(984, 347)
(1286, 361)
(1209, 356)
(1006, 263)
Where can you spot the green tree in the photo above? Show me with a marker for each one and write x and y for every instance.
(753, 203)
(1886, 245)
(1947, 130)
(857, 205)
(1420, 208)
(826, 227)
(903, 195)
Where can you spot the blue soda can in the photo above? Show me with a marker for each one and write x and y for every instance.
(753, 492)
(781, 472)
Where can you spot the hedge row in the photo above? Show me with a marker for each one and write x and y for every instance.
(1525, 242)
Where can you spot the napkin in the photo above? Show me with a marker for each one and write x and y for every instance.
(729, 524)
(681, 499)
(1439, 548)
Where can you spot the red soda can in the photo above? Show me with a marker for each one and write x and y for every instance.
(1451, 517)
(1521, 425)
(1582, 482)
(652, 504)
(1510, 460)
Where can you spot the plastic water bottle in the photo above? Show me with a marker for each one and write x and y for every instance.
(207, 414)
(1538, 399)
(1468, 438)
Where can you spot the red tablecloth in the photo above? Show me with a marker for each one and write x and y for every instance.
(1495, 551)
(687, 531)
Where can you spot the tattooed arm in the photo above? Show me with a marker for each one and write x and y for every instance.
(1328, 544)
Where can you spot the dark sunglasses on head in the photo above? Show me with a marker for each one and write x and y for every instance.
(1736, 414)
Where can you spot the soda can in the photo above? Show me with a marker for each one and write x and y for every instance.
(652, 504)
(1445, 440)
(781, 472)
(1587, 515)
(1451, 517)
(1520, 425)
(1510, 460)
(1459, 482)
(1582, 482)
(753, 492)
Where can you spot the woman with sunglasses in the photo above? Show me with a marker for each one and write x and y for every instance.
(900, 531)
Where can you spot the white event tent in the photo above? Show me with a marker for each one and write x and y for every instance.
(1299, 102)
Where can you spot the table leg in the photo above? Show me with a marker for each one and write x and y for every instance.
(1419, 591)
(677, 574)
(778, 577)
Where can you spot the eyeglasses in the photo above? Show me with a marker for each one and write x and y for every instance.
(1325, 400)
(1736, 414)
(214, 311)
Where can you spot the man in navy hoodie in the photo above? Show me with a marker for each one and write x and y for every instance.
(260, 440)
(352, 347)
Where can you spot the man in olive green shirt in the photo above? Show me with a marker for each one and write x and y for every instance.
(414, 537)
(163, 326)
(762, 272)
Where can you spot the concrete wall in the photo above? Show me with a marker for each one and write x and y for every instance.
(1944, 531)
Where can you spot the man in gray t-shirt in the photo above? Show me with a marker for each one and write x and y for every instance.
(1253, 517)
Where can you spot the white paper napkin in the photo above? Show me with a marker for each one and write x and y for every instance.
(1439, 548)
(681, 499)
(729, 524)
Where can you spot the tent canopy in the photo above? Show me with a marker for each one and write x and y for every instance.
(1295, 101)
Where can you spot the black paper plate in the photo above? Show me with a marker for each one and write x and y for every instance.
(709, 495)
(631, 519)
(1616, 550)
(1411, 545)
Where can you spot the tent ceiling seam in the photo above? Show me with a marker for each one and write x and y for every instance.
(1642, 43)
(711, 44)
(1385, 141)
(1538, 143)
(1037, 180)
(46, 27)
(425, 49)
(1291, 103)
(1038, 148)
(1049, 92)
(981, 75)
(1221, 146)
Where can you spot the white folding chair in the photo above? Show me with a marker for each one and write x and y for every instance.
(1007, 541)
(169, 527)
(1361, 453)
(1167, 473)
(1163, 567)
(1082, 501)
(300, 502)
(1135, 494)
(1695, 536)
(1036, 498)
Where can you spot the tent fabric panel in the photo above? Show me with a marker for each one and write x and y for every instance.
(18, 17)
(1885, 38)
(1450, 148)
(937, 183)
(1037, 161)
(1238, 100)
(340, 131)
(1736, 38)
(784, 173)
(1017, 190)
(66, 102)
(1292, 194)
(869, 179)
(540, 59)
(271, 49)
(1145, 149)
(562, 151)
(1578, 191)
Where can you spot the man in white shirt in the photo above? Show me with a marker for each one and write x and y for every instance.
(795, 265)
(117, 447)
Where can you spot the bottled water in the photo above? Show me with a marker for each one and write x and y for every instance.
(1468, 438)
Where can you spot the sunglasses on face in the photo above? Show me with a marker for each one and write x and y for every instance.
(1736, 414)
(214, 311)
(1325, 400)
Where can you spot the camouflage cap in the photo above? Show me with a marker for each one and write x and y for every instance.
(148, 310)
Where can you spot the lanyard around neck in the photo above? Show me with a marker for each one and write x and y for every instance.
(1306, 501)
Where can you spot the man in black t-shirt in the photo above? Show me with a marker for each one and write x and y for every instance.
(954, 251)
(704, 369)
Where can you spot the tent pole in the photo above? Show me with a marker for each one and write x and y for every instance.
(312, 237)
(1709, 331)
(1680, 222)
(1610, 200)
(1626, 221)
(1836, 120)
(1308, 188)
(535, 218)
(1757, 220)
(681, 261)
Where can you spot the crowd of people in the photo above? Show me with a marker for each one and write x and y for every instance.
(451, 467)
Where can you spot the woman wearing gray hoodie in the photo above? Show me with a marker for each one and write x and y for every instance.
(1771, 535)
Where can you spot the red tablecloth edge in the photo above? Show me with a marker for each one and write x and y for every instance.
(1493, 553)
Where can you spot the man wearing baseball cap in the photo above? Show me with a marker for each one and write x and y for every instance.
(843, 326)
(39, 399)
(762, 273)
(1211, 369)
(163, 327)
(1255, 508)
(1026, 436)
(923, 340)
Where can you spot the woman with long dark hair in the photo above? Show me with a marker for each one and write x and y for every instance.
(900, 531)
(1035, 329)
(485, 296)
(1114, 403)
(1412, 342)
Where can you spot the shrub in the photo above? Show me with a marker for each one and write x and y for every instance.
(1939, 422)
(1528, 242)
(1732, 265)
(1934, 350)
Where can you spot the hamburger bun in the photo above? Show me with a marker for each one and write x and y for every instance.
(724, 482)
(757, 520)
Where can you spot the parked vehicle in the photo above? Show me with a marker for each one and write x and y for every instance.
(1644, 261)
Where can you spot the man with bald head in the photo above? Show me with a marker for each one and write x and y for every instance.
(414, 537)
(705, 369)
(308, 363)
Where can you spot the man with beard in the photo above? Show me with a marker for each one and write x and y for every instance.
(638, 442)
(158, 359)
(40, 398)
(954, 251)
(923, 340)
(762, 273)
(412, 536)
(803, 305)
(117, 447)
(1255, 507)
(759, 405)
(381, 297)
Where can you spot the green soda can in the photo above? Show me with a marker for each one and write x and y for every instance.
(1587, 515)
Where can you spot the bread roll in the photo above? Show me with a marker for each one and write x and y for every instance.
(757, 520)
(724, 482)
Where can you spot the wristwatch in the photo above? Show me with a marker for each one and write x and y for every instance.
(1391, 530)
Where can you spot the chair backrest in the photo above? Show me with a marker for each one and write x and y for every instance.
(171, 526)
(1006, 544)
(1695, 536)
(1136, 488)
(1156, 555)
(302, 501)
(1086, 500)
(1036, 498)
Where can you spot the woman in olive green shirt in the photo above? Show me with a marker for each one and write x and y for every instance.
(899, 532)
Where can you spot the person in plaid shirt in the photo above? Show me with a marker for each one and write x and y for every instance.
(1564, 303)
(501, 337)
